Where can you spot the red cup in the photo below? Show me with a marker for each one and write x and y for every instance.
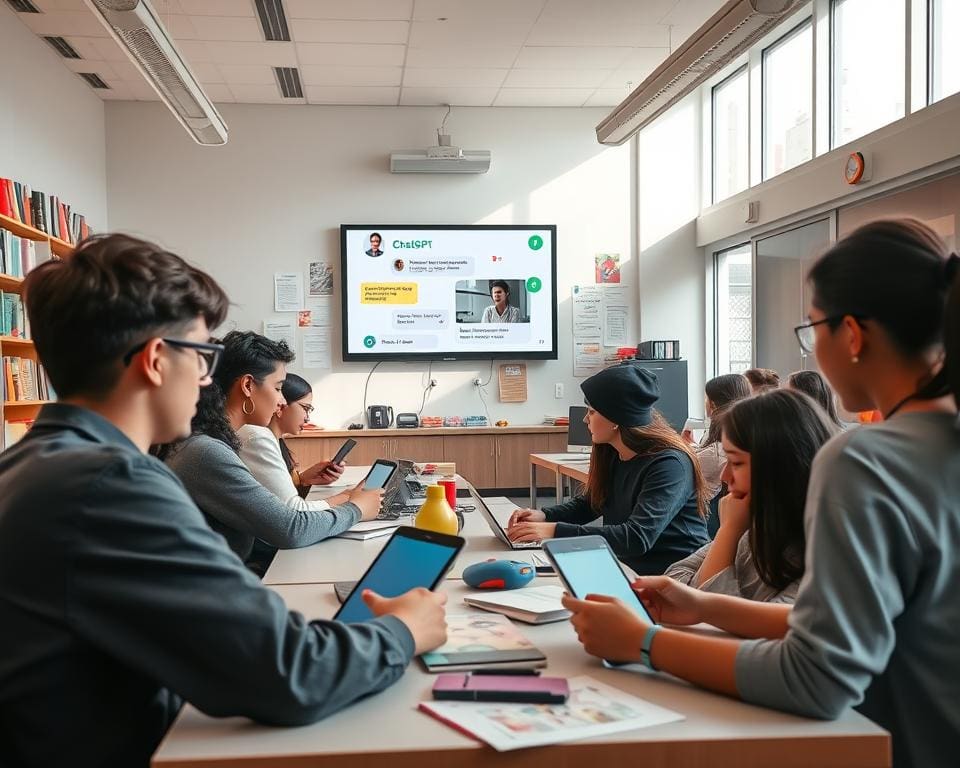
(450, 488)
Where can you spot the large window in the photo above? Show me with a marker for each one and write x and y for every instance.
(734, 309)
(868, 66)
(788, 101)
(944, 48)
(731, 149)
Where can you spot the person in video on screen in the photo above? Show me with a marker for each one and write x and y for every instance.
(643, 479)
(876, 623)
(375, 241)
(501, 311)
(138, 604)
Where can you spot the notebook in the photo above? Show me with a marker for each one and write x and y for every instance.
(533, 605)
(370, 529)
(482, 640)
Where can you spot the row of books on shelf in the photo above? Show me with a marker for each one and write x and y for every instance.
(41, 211)
(18, 255)
(25, 380)
(13, 320)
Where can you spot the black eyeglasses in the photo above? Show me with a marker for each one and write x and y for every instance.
(307, 409)
(208, 355)
(807, 337)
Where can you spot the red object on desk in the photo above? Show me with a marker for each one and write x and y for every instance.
(450, 489)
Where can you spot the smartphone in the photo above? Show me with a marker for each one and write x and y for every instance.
(379, 475)
(586, 565)
(411, 558)
(531, 689)
(344, 450)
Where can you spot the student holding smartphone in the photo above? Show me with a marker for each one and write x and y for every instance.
(876, 623)
(247, 390)
(643, 480)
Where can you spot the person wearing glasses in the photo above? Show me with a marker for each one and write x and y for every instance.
(117, 600)
(876, 623)
(268, 457)
(247, 392)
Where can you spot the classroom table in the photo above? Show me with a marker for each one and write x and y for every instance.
(387, 731)
(564, 468)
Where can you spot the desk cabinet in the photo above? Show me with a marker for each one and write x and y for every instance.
(491, 457)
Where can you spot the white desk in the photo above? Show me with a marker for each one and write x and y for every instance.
(565, 469)
(347, 559)
(386, 731)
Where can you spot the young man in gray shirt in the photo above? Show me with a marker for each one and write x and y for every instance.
(116, 598)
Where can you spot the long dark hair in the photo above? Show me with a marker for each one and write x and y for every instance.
(782, 430)
(893, 272)
(295, 387)
(811, 383)
(723, 392)
(656, 437)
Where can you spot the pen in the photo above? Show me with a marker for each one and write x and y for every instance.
(515, 671)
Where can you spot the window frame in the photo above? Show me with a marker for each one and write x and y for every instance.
(744, 70)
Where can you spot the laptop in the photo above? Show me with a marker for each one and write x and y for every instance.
(495, 526)
(398, 497)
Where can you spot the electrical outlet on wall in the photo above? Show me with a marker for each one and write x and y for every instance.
(558, 390)
(476, 381)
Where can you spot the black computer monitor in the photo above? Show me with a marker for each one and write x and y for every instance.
(578, 436)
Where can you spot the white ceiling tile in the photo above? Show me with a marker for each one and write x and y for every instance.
(457, 97)
(459, 10)
(364, 76)
(126, 70)
(381, 10)
(331, 94)
(179, 27)
(334, 31)
(141, 90)
(647, 59)
(495, 57)
(542, 97)
(247, 74)
(109, 49)
(48, 6)
(114, 94)
(607, 12)
(227, 28)
(680, 35)
(62, 23)
(205, 71)
(194, 51)
(274, 54)
(102, 68)
(591, 32)
(250, 93)
(569, 56)
(333, 54)
(626, 78)
(164, 7)
(468, 78)
(691, 13)
(556, 78)
(85, 47)
(606, 97)
(475, 34)
(219, 92)
(218, 7)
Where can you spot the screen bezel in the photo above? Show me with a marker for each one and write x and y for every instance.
(378, 356)
(453, 543)
(553, 547)
(385, 463)
(348, 445)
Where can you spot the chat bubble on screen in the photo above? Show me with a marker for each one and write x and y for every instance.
(441, 266)
(415, 320)
(388, 293)
(402, 343)
(501, 333)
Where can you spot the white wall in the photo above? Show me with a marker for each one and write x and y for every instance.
(273, 198)
(51, 124)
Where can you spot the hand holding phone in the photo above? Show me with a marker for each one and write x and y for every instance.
(344, 450)
(368, 500)
(379, 474)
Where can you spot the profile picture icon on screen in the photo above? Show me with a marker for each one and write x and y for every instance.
(398, 265)
(375, 241)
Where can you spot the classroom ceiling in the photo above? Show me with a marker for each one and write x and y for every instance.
(502, 53)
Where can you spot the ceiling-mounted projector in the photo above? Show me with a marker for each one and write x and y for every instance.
(442, 158)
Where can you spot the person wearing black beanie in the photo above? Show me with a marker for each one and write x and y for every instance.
(643, 480)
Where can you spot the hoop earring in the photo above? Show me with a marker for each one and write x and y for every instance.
(253, 406)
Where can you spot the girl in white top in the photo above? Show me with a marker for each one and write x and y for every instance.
(269, 460)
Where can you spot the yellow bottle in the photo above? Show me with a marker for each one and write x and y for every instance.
(435, 514)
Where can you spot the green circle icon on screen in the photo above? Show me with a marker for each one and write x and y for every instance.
(535, 242)
(369, 341)
(534, 284)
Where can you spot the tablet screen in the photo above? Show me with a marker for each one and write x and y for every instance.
(597, 572)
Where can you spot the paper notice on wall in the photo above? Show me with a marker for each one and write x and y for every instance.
(287, 291)
(320, 277)
(316, 348)
(616, 316)
(280, 330)
(587, 356)
(320, 311)
(587, 319)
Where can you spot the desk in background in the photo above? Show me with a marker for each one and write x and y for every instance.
(386, 730)
(564, 469)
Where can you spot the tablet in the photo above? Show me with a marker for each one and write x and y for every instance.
(411, 558)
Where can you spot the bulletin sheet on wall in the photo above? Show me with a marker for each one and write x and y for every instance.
(601, 323)
(311, 301)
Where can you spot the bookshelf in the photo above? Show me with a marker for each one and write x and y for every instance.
(57, 246)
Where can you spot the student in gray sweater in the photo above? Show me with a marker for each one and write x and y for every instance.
(770, 441)
(877, 618)
(246, 389)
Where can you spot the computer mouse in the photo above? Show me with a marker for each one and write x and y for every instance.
(498, 574)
